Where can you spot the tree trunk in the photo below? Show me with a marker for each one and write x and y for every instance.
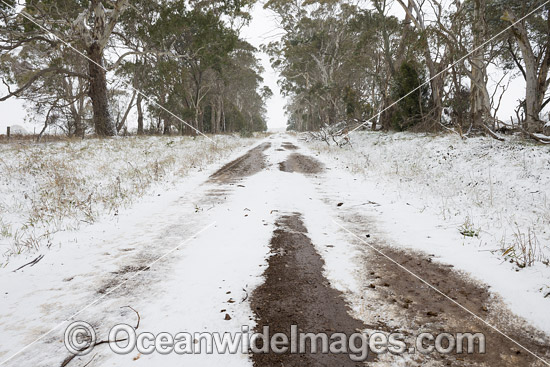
(436, 79)
(536, 73)
(200, 125)
(77, 121)
(122, 122)
(140, 114)
(222, 116)
(196, 119)
(479, 96)
(78, 128)
(436, 84)
(167, 126)
(532, 105)
(213, 111)
(103, 122)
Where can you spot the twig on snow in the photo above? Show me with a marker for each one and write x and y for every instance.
(32, 263)
(68, 360)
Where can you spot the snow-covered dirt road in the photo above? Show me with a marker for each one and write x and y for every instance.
(276, 238)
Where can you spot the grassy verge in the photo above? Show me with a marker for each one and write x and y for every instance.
(46, 188)
(494, 192)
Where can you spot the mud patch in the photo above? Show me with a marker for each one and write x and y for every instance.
(131, 269)
(289, 146)
(297, 162)
(121, 281)
(250, 163)
(295, 292)
(120, 276)
(417, 308)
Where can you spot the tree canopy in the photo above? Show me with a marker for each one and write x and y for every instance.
(182, 65)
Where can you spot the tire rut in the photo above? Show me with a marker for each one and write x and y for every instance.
(246, 165)
(295, 292)
(297, 162)
(417, 308)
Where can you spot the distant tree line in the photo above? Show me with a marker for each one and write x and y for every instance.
(172, 65)
(340, 61)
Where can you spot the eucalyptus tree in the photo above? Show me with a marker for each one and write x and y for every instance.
(474, 29)
(435, 54)
(237, 99)
(85, 24)
(327, 60)
(175, 53)
(532, 37)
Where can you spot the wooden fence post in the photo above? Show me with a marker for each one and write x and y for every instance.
(8, 132)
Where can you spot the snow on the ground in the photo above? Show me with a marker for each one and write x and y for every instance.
(231, 257)
(204, 277)
(51, 187)
(190, 290)
(431, 188)
(78, 272)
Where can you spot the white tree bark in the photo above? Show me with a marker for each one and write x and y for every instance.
(95, 26)
(536, 73)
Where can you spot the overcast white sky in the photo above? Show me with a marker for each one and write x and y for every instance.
(11, 112)
(263, 29)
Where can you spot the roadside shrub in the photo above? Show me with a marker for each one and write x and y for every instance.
(409, 111)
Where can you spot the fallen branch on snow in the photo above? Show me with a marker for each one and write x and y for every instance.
(68, 360)
(337, 134)
(32, 263)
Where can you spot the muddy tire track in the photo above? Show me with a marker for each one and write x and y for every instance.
(248, 164)
(297, 162)
(289, 146)
(121, 279)
(295, 292)
(417, 308)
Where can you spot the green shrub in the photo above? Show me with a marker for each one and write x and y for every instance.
(409, 111)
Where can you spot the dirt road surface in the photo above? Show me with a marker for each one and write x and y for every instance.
(262, 241)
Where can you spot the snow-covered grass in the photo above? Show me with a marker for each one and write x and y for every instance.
(497, 193)
(47, 188)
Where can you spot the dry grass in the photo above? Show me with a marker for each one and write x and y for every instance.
(524, 249)
(46, 188)
(501, 187)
